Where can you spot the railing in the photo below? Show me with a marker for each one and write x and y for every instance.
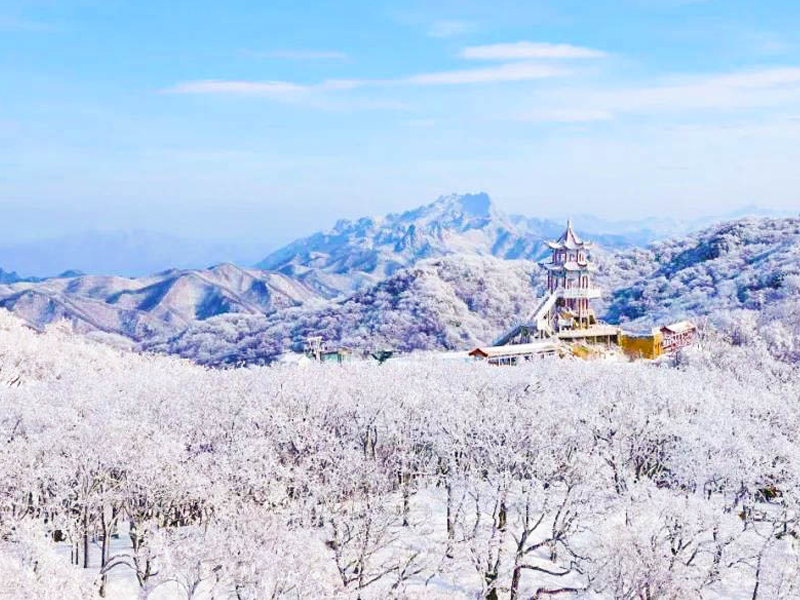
(579, 292)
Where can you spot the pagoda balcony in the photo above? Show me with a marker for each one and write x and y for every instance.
(570, 293)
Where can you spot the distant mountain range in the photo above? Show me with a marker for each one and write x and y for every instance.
(123, 253)
(445, 275)
(161, 304)
(459, 301)
(355, 254)
(352, 253)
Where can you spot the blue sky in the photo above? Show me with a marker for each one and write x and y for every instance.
(266, 120)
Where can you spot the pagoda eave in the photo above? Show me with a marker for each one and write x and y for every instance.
(568, 245)
(570, 267)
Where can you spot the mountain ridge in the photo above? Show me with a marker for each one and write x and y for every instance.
(362, 252)
(139, 308)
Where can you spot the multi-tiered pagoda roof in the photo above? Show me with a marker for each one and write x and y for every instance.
(569, 240)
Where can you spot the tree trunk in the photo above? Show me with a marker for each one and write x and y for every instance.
(106, 528)
(450, 518)
(491, 579)
(86, 538)
(515, 579)
(406, 499)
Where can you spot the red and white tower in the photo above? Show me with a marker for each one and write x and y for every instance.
(569, 277)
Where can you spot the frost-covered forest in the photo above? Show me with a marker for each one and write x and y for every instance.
(147, 476)
(455, 302)
(742, 275)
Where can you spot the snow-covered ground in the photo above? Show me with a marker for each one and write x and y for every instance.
(422, 479)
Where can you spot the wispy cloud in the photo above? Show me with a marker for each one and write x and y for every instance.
(221, 86)
(446, 29)
(509, 72)
(764, 78)
(523, 71)
(297, 54)
(529, 50)
(767, 43)
(258, 88)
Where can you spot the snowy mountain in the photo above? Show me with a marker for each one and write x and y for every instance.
(459, 301)
(748, 264)
(139, 308)
(454, 302)
(355, 254)
(448, 275)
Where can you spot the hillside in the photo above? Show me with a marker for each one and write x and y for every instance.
(666, 480)
(743, 275)
(454, 302)
(746, 264)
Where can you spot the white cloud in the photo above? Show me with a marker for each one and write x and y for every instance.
(528, 50)
(446, 29)
(220, 86)
(421, 123)
(764, 78)
(746, 89)
(522, 71)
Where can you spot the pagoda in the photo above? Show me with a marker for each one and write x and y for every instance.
(569, 279)
(565, 312)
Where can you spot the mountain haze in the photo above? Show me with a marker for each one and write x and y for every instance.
(126, 253)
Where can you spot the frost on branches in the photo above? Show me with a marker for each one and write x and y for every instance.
(130, 476)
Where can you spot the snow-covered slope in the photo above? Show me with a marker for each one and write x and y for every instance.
(459, 301)
(751, 264)
(158, 305)
(455, 302)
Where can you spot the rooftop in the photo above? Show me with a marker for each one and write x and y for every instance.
(589, 332)
(679, 327)
(569, 240)
(542, 347)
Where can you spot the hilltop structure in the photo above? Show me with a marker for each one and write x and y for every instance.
(566, 310)
(569, 281)
(564, 321)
